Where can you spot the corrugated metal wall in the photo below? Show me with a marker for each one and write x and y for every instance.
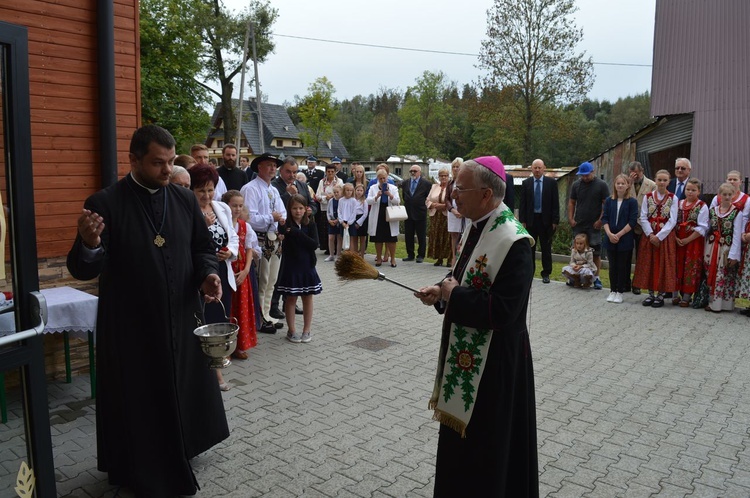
(702, 66)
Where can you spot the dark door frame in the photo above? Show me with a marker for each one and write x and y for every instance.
(27, 355)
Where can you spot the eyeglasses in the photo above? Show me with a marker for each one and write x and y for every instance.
(458, 190)
(681, 168)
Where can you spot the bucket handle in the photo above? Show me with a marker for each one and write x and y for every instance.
(231, 319)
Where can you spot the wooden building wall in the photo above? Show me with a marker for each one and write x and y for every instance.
(64, 106)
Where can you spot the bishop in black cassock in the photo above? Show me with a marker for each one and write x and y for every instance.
(158, 404)
(484, 393)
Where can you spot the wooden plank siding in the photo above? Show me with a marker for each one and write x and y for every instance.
(65, 105)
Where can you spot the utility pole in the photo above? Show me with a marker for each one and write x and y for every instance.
(238, 140)
(257, 93)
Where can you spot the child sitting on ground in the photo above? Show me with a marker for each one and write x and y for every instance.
(581, 268)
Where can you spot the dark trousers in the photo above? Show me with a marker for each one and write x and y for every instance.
(543, 237)
(420, 228)
(321, 220)
(619, 270)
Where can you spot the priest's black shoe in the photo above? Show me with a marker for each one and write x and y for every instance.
(268, 328)
(277, 313)
(297, 310)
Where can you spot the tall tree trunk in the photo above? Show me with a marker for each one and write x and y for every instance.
(227, 113)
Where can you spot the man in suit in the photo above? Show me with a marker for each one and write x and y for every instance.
(415, 191)
(639, 187)
(539, 212)
(682, 168)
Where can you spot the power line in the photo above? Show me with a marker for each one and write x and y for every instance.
(424, 50)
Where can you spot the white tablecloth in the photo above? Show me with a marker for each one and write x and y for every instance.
(68, 309)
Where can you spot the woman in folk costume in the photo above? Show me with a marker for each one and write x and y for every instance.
(743, 284)
(655, 267)
(739, 198)
(692, 224)
(722, 251)
(484, 388)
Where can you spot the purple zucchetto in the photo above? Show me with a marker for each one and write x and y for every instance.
(492, 163)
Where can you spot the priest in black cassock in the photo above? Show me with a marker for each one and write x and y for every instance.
(484, 387)
(157, 403)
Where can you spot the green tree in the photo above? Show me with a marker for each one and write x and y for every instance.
(354, 125)
(170, 48)
(627, 116)
(386, 123)
(425, 116)
(223, 36)
(531, 47)
(317, 111)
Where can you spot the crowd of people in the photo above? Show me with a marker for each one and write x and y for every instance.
(246, 238)
(691, 252)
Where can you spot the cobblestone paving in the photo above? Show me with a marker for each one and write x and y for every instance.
(631, 401)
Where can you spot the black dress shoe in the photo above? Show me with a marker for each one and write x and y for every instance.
(410, 258)
(545, 279)
(420, 260)
(278, 325)
(267, 328)
(297, 310)
(277, 313)
(636, 290)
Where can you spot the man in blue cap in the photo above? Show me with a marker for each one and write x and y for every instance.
(585, 208)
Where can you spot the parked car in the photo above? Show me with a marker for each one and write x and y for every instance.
(395, 178)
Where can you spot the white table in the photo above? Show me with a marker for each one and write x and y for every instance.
(69, 311)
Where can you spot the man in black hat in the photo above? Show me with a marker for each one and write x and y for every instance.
(267, 212)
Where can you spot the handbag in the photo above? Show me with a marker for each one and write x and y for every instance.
(345, 240)
(700, 298)
(395, 213)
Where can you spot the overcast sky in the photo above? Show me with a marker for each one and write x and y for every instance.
(615, 31)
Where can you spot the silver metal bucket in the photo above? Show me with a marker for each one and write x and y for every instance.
(218, 340)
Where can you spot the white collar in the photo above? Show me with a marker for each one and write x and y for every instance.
(150, 190)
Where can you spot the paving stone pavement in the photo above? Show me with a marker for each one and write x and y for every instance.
(631, 401)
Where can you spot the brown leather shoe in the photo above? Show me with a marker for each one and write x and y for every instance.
(239, 355)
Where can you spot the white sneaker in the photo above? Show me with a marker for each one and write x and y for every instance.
(330, 258)
(618, 298)
(611, 297)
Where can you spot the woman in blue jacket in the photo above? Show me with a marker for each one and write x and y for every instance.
(619, 218)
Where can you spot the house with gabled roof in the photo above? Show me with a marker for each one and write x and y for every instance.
(280, 135)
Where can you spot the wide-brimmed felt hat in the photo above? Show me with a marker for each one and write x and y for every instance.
(264, 157)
